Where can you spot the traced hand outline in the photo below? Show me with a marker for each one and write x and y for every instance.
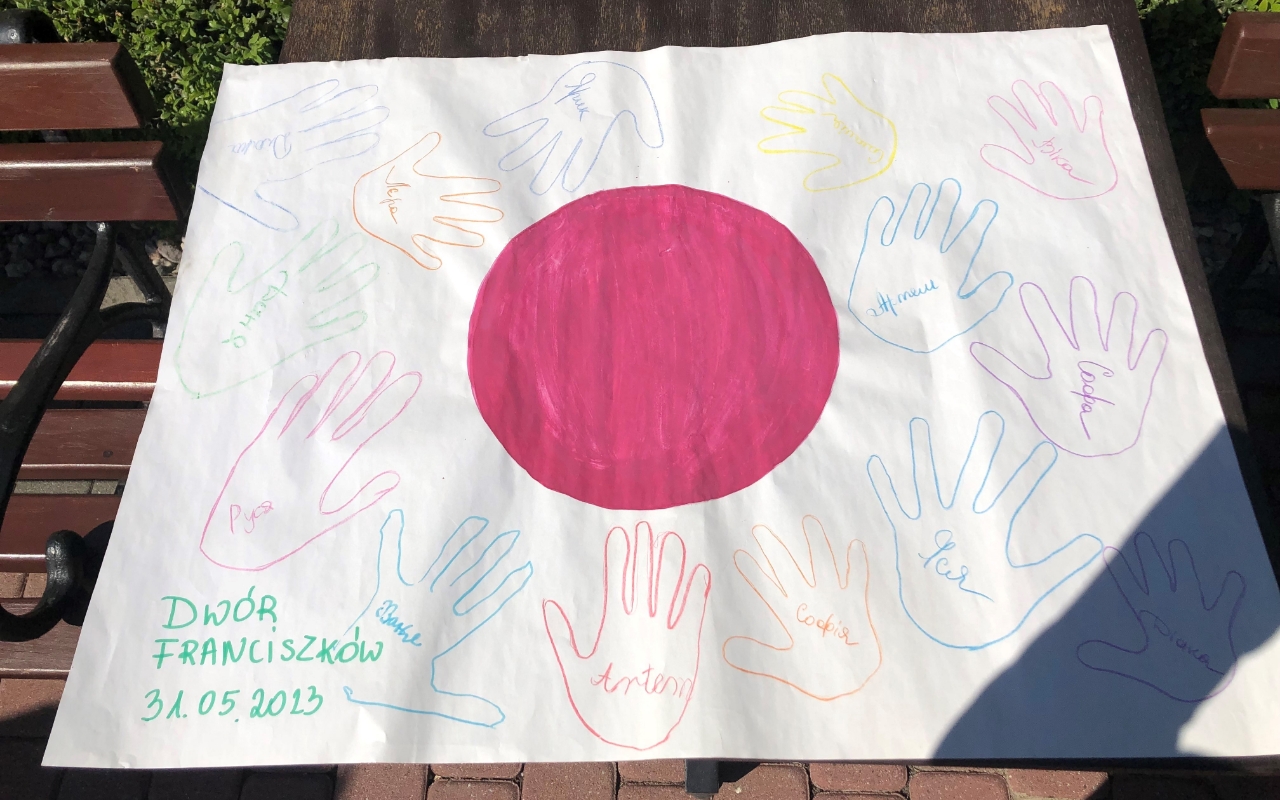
(854, 149)
(323, 272)
(635, 638)
(938, 543)
(1181, 601)
(1096, 402)
(416, 211)
(466, 590)
(565, 130)
(845, 644)
(266, 509)
(283, 140)
(909, 287)
(1059, 160)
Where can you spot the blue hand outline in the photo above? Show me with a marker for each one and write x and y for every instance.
(283, 140)
(585, 102)
(914, 296)
(464, 565)
(1188, 650)
(957, 581)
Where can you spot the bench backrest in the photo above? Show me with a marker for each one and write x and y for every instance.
(1247, 66)
(79, 86)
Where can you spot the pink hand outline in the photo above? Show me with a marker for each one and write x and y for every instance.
(1058, 160)
(632, 687)
(259, 520)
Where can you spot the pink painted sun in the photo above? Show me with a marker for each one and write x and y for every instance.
(654, 346)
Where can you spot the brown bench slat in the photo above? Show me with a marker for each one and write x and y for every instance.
(30, 518)
(84, 182)
(78, 444)
(117, 370)
(70, 87)
(47, 657)
(1247, 62)
(1247, 140)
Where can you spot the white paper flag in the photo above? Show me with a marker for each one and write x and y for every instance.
(827, 399)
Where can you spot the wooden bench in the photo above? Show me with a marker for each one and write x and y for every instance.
(71, 408)
(1246, 66)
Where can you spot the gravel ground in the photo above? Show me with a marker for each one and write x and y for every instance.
(36, 250)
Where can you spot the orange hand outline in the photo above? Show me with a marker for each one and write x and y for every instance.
(832, 648)
(417, 212)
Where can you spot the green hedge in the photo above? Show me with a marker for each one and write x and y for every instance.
(181, 45)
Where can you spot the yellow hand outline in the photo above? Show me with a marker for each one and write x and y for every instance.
(858, 146)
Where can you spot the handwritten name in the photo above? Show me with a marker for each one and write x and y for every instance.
(576, 92)
(279, 144)
(1049, 148)
(648, 681)
(824, 626)
(943, 541)
(249, 520)
(237, 339)
(889, 305)
(1088, 394)
(874, 154)
(386, 614)
(1181, 643)
(392, 189)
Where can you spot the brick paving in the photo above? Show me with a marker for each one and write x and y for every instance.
(27, 708)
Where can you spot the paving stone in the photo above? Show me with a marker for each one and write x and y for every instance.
(477, 771)
(941, 785)
(846, 777)
(382, 782)
(1058, 784)
(856, 796)
(34, 586)
(196, 784)
(473, 790)
(584, 781)
(11, 584)
(1247, 787)
(104, 784)
(21, 776)
(52, 487)
(769, 782)
(667, 770)
(291, 785)
(1159, 787)
(640, 791)
(27, 707)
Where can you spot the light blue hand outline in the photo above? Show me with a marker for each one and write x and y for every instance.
(284, 139)
(465, 591)
(957, 581)
(565, 131)
(913, 291)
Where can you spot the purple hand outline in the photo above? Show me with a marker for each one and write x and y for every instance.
(1058, 160)
(1090, 401)
(1187, 652)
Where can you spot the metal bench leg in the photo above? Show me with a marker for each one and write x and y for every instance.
(71, 561)
(701, 777)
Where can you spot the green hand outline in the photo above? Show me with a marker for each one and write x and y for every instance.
(317, 279)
